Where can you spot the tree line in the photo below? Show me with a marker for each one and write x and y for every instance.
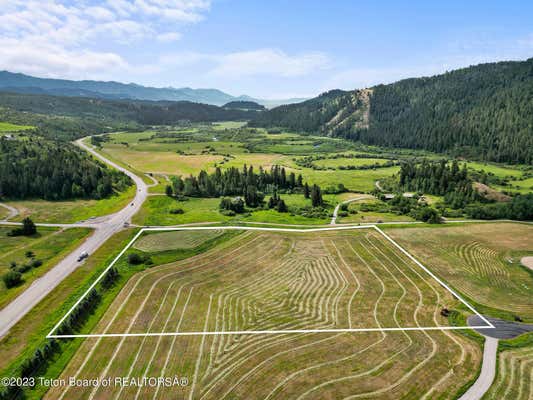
(248, 185)
(237, 182)
(439, 178)
(39, 168)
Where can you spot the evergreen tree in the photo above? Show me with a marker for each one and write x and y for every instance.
(307, 192)
(316, 197)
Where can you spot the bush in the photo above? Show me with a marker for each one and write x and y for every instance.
(235, 204)
(427, 214)
(23, 268)
(135, 259)
(36, 263)
(28, 229)
(12, 279)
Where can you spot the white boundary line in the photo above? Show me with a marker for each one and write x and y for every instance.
(250, 228)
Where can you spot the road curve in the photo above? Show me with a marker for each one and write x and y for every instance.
(13, 212)
(488, 371)
(105, 227)
(336, 211)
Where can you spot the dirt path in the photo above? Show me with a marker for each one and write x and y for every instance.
(13, 212)
(336, 211)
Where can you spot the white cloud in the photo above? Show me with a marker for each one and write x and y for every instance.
(54, 37)
(56, 62)
(169, 37)
(271, 62)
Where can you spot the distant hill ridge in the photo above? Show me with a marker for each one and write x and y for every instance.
(483, 111)
(244, 105)
(21, 83)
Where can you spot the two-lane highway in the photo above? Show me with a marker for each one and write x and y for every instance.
(104, 228)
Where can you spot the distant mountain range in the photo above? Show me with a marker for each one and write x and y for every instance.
(21, 83)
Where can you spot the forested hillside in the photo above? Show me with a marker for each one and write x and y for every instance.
(38, 168)
(483, 111)
(68, 118)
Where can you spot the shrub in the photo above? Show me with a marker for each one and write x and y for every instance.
(28, 228)
(12, 279)
(36, 263)
(135, 259)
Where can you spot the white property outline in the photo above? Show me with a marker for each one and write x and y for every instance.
(283, 331)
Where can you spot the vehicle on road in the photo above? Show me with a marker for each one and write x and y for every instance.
(83, 256)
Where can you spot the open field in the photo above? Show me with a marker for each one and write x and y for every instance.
(187, 151)
(49, 246)
(157, 210)
(4, 212)
(501, 171)
(70, 211)
(8, 127)
(173, 240)
(480, 260)
(280, 281)
(356, 162)
(372, 213)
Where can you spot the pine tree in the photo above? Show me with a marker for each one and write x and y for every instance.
(306, 191)
(316, 196)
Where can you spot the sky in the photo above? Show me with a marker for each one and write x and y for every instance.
(267, 49)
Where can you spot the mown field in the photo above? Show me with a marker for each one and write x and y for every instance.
(172, 240)
(480, 260)
(49, 245)
(514, 373)
(280, 281)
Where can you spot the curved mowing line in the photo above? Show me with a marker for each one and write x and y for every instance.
(307, 281)
(247, 228)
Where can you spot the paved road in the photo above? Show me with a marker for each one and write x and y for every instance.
(13, 212)
(105, 227)
(488, 371)
(502, 330)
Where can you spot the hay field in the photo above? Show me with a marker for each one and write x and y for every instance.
(280, 281)
(514, 375)
(480, 260)
(174, 240)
